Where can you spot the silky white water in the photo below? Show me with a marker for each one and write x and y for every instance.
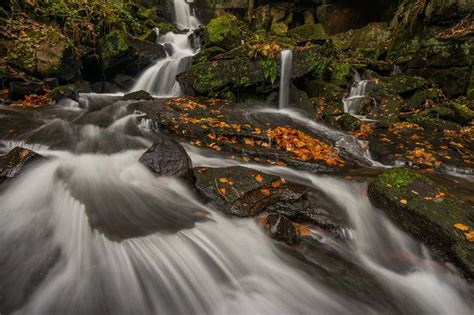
(286, 57)
(160, 78)
(353, 102)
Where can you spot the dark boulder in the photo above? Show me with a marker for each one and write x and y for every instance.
(123, 81)
(15, 161)
(166, 157)
(137, 96)
(18, 90)
(280, 228)
(429, 212)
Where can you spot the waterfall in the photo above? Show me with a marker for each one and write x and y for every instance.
(353, 102)
(285, 77)
(160, 78)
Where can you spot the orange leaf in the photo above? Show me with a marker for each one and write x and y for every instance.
(265, 192)
(259, 178)
(470, 236)
(461, 227)
(403, 201)
(222, 190)
(223, 180)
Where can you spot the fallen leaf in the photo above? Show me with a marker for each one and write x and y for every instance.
(259, 178)
(223, 180)
(461, 227)
(222, 190)
(403, 201)
(265, 192)
(470, 236)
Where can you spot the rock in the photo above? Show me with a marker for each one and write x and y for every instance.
(123, 81)
(244, 192)
(279, 29)
(70, 91)
(371, 39)
(439, 11)
(263, 18)
(308, 17)
(166, 157)
(224, 126)
(417, 101)
(104, 87)
(280, 228)
(138, 96)
(127, 55)
(330, 91)
(461, 113)
(234, 70)
(427, 211)
(308, 32)
(15, 161)
(349, 122)
(18, 90)
(207, 53)
(224, 31)
(149, 36)
(453, 81)
(50, 83)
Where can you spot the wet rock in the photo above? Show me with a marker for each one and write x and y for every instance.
(453, 81)
(244, 192)
(70, 91)
(280, 228)
(313, 208)
(123, 81)
(166, 157)
(18, 90)
(138, 95)
(127, 55)
(427, 211)
(234, 71)
(15, 161)
(104, 87)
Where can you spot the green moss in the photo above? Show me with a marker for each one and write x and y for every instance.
(269, 70)
(308, 32)
(279, 29)
(341, 72)
(113, 44)
(461, 113)
(166, 27)
(399, 177)
(223, 31)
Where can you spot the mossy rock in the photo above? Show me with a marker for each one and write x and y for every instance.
(149, 36)
(470, 88)
(308, 32)
(166, 28)
(207, 53)
(330, 91)
(113, 44)
(402, 84)
(279, 29)
(417, 101)
(349, 122)
(224, 31)
(461, 113)
(427, 211)
(453, 81)
(341, 73)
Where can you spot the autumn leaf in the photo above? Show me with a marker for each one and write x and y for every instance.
(403, 201)
(265, 192)
(461, 227)
(223, 180)
(222, 190)
(470, 236)
(259, 178)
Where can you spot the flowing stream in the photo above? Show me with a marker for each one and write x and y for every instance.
(92, 231)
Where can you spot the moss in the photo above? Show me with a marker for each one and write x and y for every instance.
(461, 113)
(399, 177)
(166, 27)
(308, 32)
(224, 31)
(279, 29)
(427, 210)
(113, 44)
(341, 73)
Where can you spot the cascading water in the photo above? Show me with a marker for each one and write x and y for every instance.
(285, 77)
(99, 233)
(160, 78)
(353, 103)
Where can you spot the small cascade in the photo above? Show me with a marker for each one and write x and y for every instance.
(160, 78)
(353, 102)
(396, 70)
(285, 77)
